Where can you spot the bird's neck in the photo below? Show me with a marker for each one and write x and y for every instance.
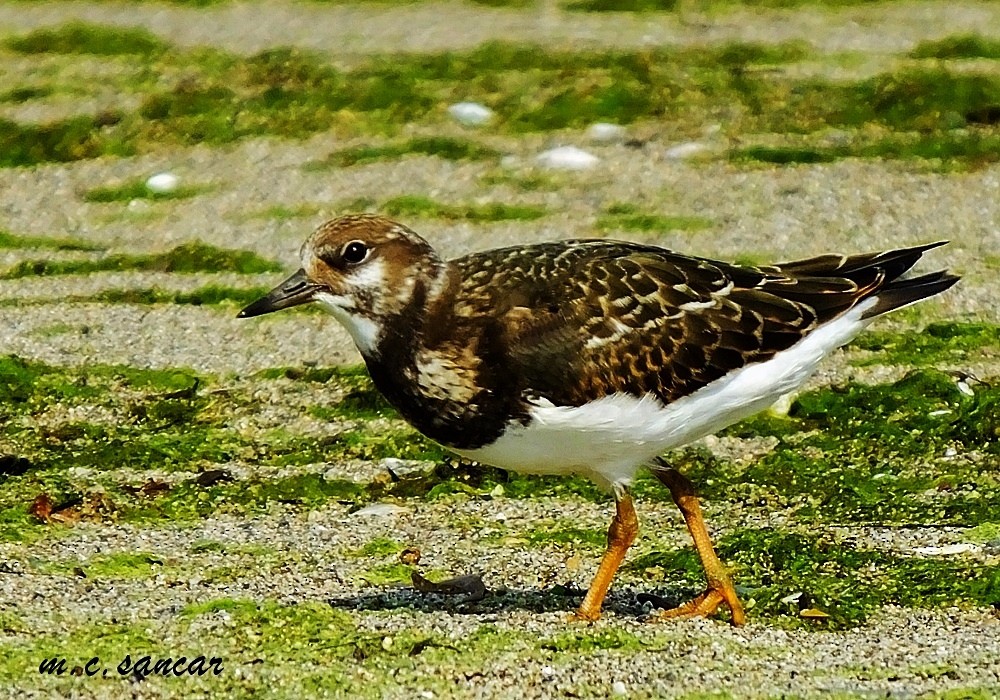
(440, 370)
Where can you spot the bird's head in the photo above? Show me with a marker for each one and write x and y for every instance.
(366, 270)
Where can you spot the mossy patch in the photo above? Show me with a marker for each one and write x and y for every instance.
(567, 534)
(386, 574)
(203, 296)
(137, 189)
(380, 547)
(11, 241)
(414, 205)
(872, 454)
(939, 150)
(439, 146)
(119, 565)
(77, 643)
(187, 257)
(936, 344)
(628, 217)
(26, 93)
(70, 139)
(586, 641)
(84, 38)
(282, 212)
(847, 583)
(924, 109)
(622, 5)
(958, 46)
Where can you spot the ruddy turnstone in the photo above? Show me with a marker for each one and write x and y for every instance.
(589, 357)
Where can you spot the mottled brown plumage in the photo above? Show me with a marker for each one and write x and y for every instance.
(585, 318)
(613, 351)
(467, 344)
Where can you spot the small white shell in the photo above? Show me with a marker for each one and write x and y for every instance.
(470, 113)
(568, 158)
(605, 132)
(162, 183)
(684, 151)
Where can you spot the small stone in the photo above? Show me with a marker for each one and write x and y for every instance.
(567, 158)
(380, 510)
(470, 113)
(619, 688)
(606, 132)
(162, 183)
(685, 151)
(947, 550)
(548, 672)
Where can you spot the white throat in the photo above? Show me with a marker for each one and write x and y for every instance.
(365, 332)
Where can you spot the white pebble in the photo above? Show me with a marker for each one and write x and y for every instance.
(161, 183)
(792, 597)
(948, 549)
(470, 113)
(379, 509)
(548, 672)
(619, 688)
(603, 131)
(684, 151)
(568, 158)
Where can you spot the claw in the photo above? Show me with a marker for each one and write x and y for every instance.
(705, 605)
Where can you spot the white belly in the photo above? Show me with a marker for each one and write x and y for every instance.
(607, 440)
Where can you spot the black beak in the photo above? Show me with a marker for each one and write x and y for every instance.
(297, 289)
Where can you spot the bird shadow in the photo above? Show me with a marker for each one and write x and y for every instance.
(626, 602)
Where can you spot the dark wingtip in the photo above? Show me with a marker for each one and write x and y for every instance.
(909, 291)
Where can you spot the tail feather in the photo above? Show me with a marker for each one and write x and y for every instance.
(903, 292)
(820, 281)
(893, 262)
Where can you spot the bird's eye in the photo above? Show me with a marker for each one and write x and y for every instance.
(354, 252)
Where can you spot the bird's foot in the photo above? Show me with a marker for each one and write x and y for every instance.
(705, 605)
(582, 616)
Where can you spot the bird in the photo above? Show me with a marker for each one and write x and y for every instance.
(591, 357)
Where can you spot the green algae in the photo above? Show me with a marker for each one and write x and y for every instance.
(10, 241)
(439, 146)
(942, 150)
(137, 189)
(847, 583)
(929, 111)
(185, 258)
(414, 205)
(936, 344)
(84, 38)
(876, 454)
(378, 547)
(958, 46)
(65, 140)
(118, 565)
(208, 295)
(586, 641)
(622, 6)
(566, 534)
(628, 217)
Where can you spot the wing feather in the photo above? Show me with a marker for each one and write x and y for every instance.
(582, 319)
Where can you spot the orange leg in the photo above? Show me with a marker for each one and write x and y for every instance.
(720, 586)
(621, 535)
